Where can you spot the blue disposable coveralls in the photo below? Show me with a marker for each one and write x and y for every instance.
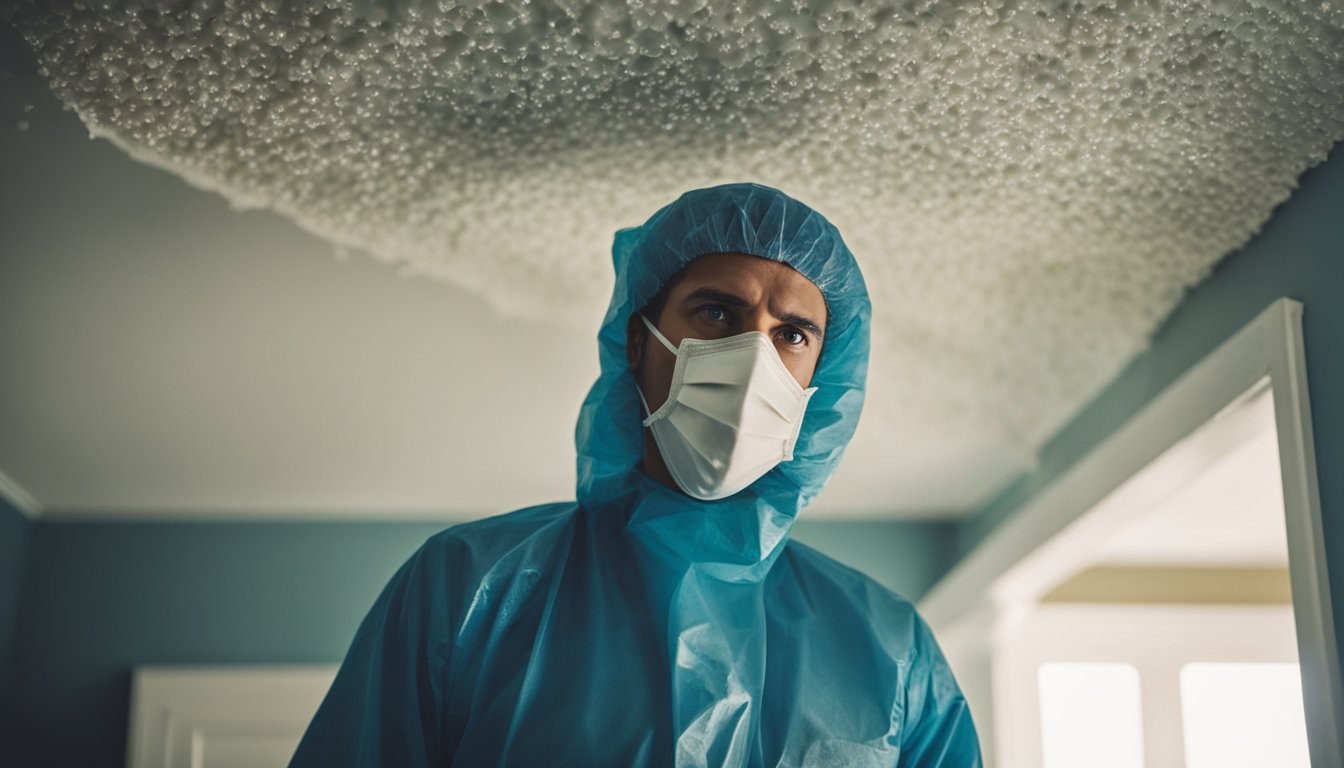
(638, 625)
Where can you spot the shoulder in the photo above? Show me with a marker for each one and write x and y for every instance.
(488, 540)
(882, 634)
(842, 595)
(462, 557)
(472, 567)
(813, 564)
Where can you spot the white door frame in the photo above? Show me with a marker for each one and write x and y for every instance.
(976, 599)
(181, 714)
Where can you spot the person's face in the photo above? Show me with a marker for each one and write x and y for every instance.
(725, 294)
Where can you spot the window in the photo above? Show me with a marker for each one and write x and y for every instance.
(1155, 686)
(1243, 715)
(1090, 716)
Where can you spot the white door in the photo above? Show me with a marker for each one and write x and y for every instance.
(222, 717)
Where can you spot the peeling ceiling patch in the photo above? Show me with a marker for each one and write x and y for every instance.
(1031, 186)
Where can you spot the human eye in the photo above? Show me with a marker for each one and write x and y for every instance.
(793, 337)
(715, 313)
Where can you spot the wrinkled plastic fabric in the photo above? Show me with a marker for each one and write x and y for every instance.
(640, 626)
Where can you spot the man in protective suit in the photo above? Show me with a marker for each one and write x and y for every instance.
(665, 618)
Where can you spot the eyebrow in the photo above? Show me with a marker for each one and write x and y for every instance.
(733, 300)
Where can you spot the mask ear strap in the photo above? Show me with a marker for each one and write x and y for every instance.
(648, 414)
(659, 335)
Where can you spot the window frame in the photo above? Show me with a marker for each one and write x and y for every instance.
(1157, 640)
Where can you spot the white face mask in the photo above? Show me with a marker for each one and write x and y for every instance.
(732, 413)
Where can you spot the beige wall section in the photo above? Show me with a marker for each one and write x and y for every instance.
(1175, 585)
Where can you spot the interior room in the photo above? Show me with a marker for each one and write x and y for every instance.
(288, 289)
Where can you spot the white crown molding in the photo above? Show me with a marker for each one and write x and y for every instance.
(21, 499)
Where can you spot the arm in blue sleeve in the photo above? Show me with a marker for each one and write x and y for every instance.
(385, 706)
(938, 732)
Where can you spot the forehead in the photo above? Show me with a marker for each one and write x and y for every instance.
(748, 274)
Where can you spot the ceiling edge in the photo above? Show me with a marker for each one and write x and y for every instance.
(19, 498)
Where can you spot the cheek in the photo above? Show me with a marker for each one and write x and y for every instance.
(802, 369)
(654, 376)
(811, 371)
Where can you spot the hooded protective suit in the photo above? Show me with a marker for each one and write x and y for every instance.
(638, 625)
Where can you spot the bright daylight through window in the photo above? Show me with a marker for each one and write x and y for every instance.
(1243, 715)
(1090, 716)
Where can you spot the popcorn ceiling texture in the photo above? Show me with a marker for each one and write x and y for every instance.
(1030, 186)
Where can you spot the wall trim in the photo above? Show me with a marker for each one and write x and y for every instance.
(1268, 348)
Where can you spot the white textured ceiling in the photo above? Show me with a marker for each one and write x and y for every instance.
(1030, 187)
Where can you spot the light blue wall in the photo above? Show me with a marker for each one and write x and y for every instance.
(1299, 254)
(14, 528)
(14, 535)
(904, 557)
(100, 598)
